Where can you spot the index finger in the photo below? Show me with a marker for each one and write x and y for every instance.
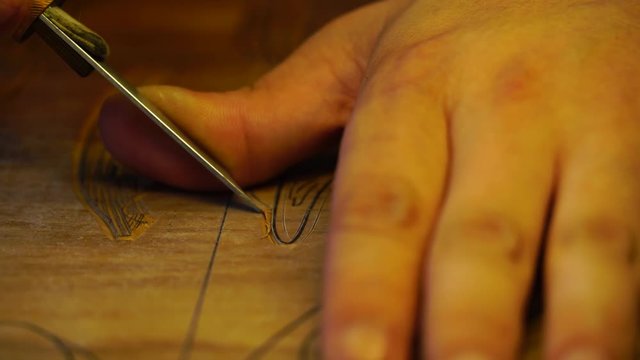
(388, 187)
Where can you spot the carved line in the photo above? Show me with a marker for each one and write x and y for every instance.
(187, 345)
(117, 208)
(109, 193)
(305, 218)
(271, 342)
(307, 351)
(63, 347)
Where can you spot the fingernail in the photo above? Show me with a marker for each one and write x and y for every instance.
(583, 354)
(470, 356)
(364, 342)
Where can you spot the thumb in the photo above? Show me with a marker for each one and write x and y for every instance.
(295, 110)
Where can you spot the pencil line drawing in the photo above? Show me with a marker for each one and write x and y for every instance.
(64, 348)
(263, 349)
(310, 346)
(289, 198)
(187, 345)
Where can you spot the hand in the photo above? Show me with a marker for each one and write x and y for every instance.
(477, 134)
(11, 12)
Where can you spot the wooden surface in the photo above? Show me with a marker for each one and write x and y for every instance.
(96, 263)
(190, 276)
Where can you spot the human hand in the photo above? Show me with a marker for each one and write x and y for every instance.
(11, 12)
(474, 131)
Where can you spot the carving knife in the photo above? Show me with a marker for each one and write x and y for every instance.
(85, 51)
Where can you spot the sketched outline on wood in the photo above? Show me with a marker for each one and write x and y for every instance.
(187, 345)
(309, 350)
(306, 350)
(306, 189)
(108, 191)
(290, 193)
(66, 349)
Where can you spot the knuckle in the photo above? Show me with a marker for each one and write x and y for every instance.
(482, 235)
(511, 76)
(517, 80)
(418, 66)
(381, 203)
(602, 234)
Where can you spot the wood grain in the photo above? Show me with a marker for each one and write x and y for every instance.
(200, 280)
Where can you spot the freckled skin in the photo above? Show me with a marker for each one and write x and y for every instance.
(460, 119)
(516, 82)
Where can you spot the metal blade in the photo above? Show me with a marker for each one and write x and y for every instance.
(156, 115)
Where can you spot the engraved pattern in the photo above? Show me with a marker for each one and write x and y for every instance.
(108, 190)
(22, 338)
(290, 225)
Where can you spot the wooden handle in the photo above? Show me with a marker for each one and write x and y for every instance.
(36, 7)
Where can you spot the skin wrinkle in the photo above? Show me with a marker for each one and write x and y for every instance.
(407, 52)
(357, 54)
(346, 90)
(493, 230)
(602, 233)
(479, 340)
(425, 79)
(247, 151)
(366, 66)
(344, 97)
(389, 204)
(581, 342)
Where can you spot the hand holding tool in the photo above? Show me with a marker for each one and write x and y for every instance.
(85, 51)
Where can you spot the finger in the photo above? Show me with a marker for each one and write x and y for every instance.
(592, 261)
(387, 189)
(11, 11)
(484, 252)
(141, 145)
(291, 112)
